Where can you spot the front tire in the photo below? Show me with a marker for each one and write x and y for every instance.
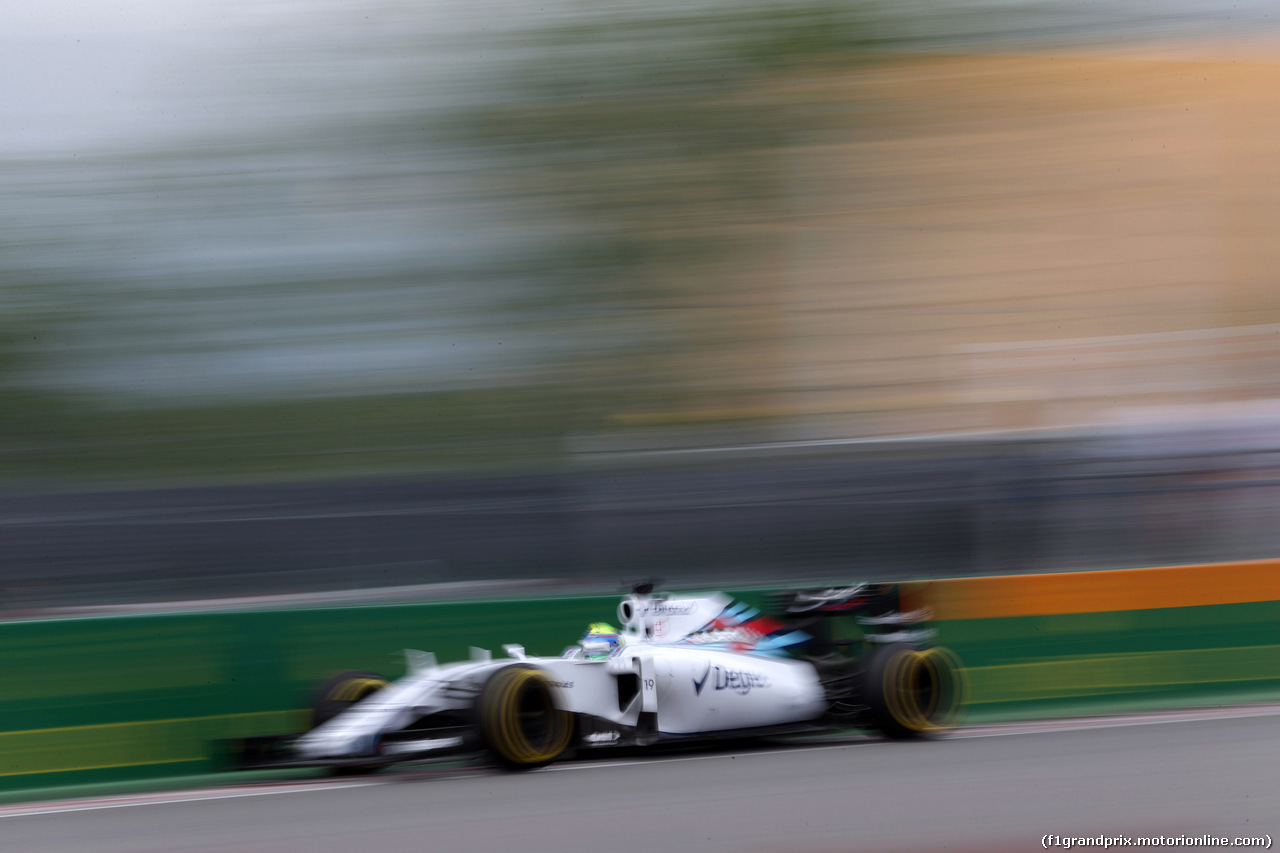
(520, 721)
(341, 692)
(337, 695)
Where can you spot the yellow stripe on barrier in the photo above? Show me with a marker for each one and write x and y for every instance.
(1104, 675)
(131, 744)
(1096, 592)
(100, 766)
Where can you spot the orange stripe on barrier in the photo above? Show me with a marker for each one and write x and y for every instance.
(1096, 592)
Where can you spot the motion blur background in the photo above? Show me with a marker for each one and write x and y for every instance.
(312, 295)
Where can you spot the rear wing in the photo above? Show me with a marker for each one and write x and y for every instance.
(875, 608)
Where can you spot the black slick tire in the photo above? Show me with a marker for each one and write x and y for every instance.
(340, 692)
(913, 691)
(519, 718)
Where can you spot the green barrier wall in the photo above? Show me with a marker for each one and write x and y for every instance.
(119, 698)
(1064, 664)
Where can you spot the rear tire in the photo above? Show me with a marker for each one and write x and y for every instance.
(520, 722)
(913, 691)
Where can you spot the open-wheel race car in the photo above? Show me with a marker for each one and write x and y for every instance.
(704, 667)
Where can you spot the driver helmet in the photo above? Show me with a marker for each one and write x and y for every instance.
(600, 641)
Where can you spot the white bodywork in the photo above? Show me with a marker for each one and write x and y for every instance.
(687, 687)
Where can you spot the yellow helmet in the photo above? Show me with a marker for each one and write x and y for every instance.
(600, 640)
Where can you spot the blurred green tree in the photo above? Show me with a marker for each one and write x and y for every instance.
(658, 139)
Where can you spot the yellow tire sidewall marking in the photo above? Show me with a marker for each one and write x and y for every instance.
(503, 720)
(355, 689)
(953, 683)
(947, 695)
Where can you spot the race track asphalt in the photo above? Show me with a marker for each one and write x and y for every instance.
(994, 790)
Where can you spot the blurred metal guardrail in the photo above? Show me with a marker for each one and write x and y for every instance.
(700, 513)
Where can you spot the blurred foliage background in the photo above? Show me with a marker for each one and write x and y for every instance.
(320, 240)
(312, 295)
(451, 262)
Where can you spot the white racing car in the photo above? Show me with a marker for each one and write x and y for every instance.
(680, 668)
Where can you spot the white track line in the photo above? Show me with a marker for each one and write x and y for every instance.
(997, 730)
(646, 760)
(1117, 722)
(129, 801)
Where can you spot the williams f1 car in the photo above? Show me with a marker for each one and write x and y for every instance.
(679, 668)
